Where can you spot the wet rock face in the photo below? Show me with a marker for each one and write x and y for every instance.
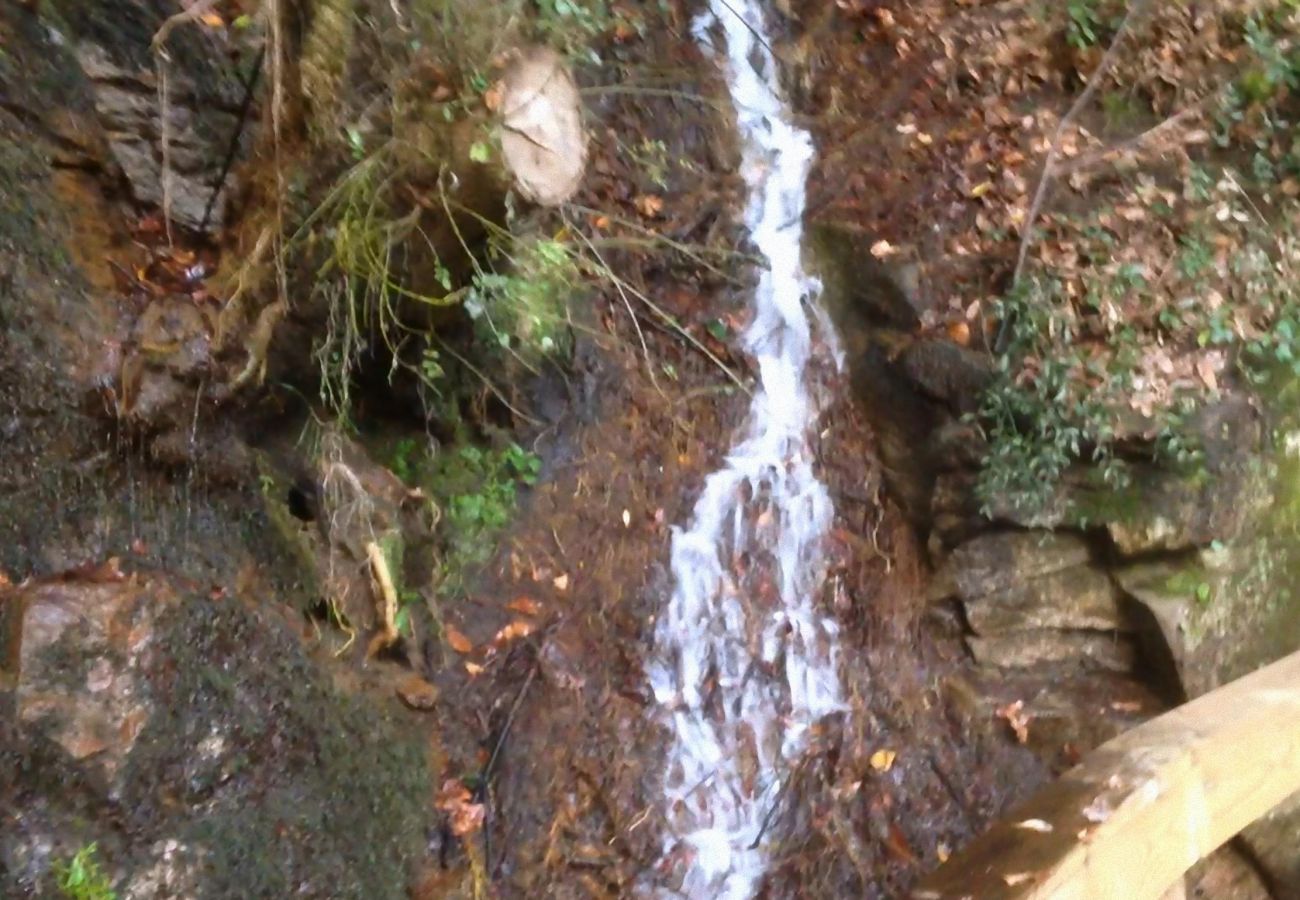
(192, 739)
(1035, 597)
(112, 46)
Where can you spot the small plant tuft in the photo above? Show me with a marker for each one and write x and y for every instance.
(81, 878)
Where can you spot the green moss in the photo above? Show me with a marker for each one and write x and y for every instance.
(314, 793)
(294, 544)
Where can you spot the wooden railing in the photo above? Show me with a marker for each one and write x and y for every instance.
(1139, 811)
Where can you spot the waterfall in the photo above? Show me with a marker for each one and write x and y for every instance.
(744, 662)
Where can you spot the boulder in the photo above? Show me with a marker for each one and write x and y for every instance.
(1272, 842)
(953, 375)
(859, 290)
(193, 740)
(1226, 875)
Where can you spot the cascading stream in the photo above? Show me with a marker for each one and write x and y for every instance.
(744, 663)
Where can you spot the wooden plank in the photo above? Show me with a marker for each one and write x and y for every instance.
(1140, 810)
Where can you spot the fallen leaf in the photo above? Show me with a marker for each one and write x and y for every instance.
(474, 669)
(457, 639)
(466, 817)
(882, 249)
(649, 205)
(627, 519)
(1016, 718)
(493, 95)
(1017, 878)
(561, 582)
(943, 851)
(526, 605)
(883, 760)
(515, 629)
(212, 20)
(417, 693)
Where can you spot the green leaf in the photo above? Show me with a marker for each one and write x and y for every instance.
(480, 152)
(717, 328)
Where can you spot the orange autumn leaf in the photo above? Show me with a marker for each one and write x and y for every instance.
(212, 20)
(455, 800)
(457, 639)
(513, 631)
(526, 605)
(1015, 716)
(649, 205)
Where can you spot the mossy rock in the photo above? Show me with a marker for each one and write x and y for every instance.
(243, 773)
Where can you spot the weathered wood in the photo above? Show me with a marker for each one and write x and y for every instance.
(1143, 808)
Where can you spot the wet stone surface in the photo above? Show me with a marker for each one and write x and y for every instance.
(194, 741)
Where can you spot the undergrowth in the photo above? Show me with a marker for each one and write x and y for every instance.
(477, 489)
(1147, 306)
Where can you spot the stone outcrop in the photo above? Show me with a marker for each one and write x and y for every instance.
(195, 743)
(1033, 597)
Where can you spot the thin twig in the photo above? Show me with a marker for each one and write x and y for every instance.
(1094, 82)
(485, 775)
(645, 349)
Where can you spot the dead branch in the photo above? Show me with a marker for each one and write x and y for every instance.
(1094, 82)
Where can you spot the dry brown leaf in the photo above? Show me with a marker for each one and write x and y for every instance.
(1016, 718)
(492, 96)
(457, 639)
(514, 630)
(526, 605)
(649, 205)
(417, 693)
(454, 799)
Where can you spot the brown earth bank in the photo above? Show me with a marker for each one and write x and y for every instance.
(235, 657)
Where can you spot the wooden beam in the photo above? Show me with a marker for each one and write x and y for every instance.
(1140, 810)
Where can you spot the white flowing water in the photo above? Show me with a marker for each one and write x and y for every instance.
(744, 662)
